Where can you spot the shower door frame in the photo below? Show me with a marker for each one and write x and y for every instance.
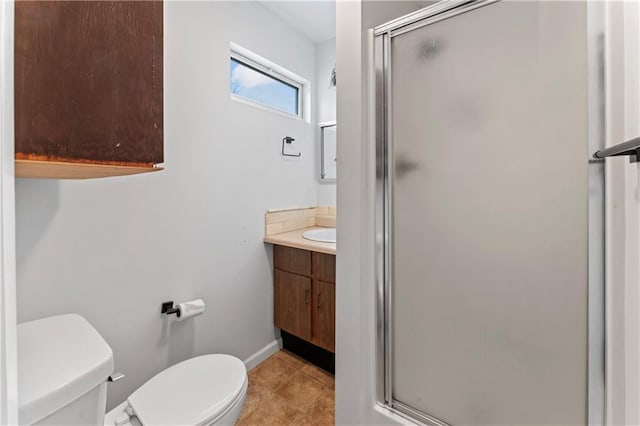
(382, 72)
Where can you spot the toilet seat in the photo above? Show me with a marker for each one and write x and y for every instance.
(194, 392)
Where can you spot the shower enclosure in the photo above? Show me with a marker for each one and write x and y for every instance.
(490, 214)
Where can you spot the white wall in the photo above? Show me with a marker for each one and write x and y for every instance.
(326, 96)
(114, 249)
(326, 106)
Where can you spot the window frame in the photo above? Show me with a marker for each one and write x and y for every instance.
(265, 67)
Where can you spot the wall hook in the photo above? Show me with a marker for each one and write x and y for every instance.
(289, 139)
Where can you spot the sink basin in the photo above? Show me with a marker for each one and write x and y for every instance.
(323, 235)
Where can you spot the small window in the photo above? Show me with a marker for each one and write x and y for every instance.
(261, 84)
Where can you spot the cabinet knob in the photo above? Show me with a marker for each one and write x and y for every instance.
(306, 296)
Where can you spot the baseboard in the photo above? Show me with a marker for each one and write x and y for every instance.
(254, 360)
(312, 353)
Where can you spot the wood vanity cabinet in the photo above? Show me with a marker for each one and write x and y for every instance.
(88, 88)
(305, 294)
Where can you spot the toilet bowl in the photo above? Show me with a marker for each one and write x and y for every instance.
(206, 390)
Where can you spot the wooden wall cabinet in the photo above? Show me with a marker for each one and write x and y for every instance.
(88, 88)
(305, 295)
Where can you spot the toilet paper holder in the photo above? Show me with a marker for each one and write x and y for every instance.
(169, 309)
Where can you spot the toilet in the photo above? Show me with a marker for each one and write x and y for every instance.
(205, 390)
(63, 371)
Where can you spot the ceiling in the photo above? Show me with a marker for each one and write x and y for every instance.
(316, 19)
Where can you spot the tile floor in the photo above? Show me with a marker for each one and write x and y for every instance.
(287, 390)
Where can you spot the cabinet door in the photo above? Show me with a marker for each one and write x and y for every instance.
(324, 315)
(88, 81)
(324, 267)
(292, 259)
(292, 304)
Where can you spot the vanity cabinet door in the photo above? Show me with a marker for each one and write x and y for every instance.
(324, 267)
(292, 259)
(292, 304)
(324, 315)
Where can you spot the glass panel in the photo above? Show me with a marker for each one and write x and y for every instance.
(262, 88)
(489, 232)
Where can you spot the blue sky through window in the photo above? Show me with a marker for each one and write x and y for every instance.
(263, 89)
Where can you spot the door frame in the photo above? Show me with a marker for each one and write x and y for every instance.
(8, 350)
(622, 213)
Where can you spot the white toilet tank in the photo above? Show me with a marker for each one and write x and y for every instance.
(63, 366)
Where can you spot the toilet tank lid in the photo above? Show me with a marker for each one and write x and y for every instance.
(60, 358)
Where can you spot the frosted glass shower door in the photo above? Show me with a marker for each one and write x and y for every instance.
(485, 124)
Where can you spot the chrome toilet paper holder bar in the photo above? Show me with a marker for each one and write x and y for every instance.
(289, 140)
(169, 309)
